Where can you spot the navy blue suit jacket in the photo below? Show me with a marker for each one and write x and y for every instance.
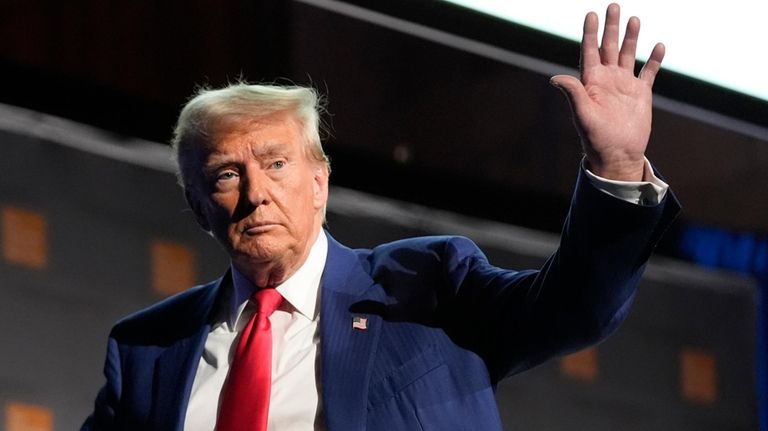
(444, 325)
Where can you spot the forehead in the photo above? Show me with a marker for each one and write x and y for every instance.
(235, 133)
(237, 138)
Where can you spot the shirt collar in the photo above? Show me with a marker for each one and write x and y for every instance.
(300, 289)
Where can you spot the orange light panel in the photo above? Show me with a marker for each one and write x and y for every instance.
(24, 237)
(173, 267)
(698, 375)
(28, 417)
(581, 365)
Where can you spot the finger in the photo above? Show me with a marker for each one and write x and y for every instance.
(609, 48)
(629, 45)
(573, 89)
(652, 66)
(590, 54)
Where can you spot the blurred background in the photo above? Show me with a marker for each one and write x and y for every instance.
(441, 121)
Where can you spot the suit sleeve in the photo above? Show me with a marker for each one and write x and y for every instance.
(103, 416)
(518, 319)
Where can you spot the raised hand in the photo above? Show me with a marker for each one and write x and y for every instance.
(611, 106)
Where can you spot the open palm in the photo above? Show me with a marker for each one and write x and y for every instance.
(611, 106)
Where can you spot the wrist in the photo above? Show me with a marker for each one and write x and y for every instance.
(618, 170)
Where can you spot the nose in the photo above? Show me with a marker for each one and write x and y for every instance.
(254, 192)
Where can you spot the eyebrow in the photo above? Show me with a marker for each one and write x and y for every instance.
(216, 161)
(270, 149)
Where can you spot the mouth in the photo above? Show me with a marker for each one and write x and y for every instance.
(258, 227)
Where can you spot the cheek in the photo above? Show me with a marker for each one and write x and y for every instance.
(220, 215)
(223, 204)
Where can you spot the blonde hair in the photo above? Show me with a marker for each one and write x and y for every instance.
(209, 109)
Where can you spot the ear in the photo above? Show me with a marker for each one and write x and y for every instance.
(197, 208)
(320, 186)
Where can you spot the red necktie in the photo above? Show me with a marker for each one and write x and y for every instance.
(245, 396)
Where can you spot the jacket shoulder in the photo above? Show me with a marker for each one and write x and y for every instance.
(181, 313)
(421, 259)
(438, 246)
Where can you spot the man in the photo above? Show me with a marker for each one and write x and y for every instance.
(410, 335)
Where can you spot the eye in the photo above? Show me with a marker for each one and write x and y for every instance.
(226, 176)
(278, 164)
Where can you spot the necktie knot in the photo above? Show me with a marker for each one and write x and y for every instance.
(267, 301)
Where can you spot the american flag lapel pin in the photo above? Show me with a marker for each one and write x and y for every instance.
(359, 322)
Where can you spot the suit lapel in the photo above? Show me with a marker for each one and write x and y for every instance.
(346, 352)
(174, 375)
(176, 366)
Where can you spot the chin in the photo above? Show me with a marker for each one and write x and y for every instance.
(259, 251)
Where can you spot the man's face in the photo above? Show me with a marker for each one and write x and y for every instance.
(255, 188)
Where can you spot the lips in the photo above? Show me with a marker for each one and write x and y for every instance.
(258, 227)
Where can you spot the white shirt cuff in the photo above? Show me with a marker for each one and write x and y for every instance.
(648, 192)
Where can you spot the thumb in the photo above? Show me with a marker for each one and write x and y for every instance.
(572, 88)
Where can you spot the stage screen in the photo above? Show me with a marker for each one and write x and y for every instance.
(714, 42)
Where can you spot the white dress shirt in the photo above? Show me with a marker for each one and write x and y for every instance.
(295, 404)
